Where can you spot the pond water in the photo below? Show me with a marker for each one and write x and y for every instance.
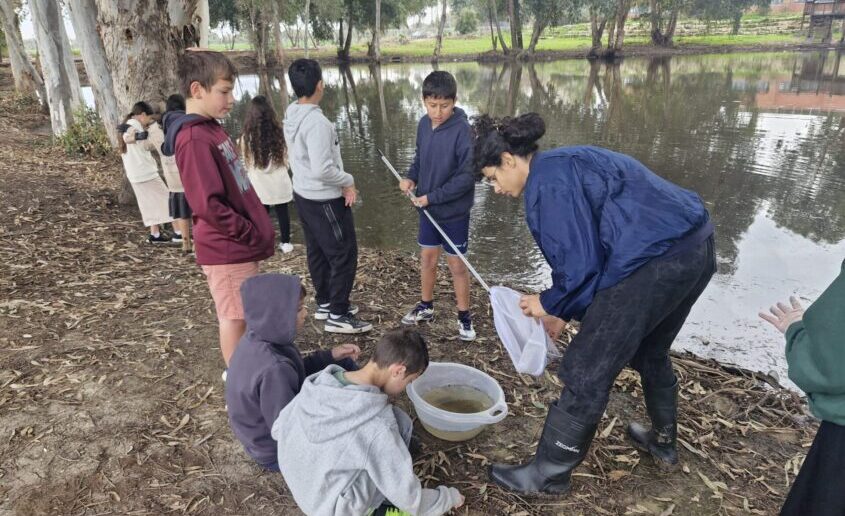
(760, 137)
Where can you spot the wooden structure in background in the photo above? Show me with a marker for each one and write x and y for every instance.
(823, 14)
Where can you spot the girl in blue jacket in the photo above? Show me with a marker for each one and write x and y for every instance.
(630, 254)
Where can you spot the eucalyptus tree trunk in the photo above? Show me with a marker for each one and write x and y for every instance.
(376, 47)
(204, 20)
(84, 16)
(438, 46)
(516, 25)
(277, 36)
(61, 81)
(495, 15)
(142, 45)
(307, 23)
(597, 26)
(540, 24)
(27, 78)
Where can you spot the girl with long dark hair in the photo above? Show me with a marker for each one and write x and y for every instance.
(265, 154)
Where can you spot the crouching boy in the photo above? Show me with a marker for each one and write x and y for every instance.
(343, 448)
(267, 369)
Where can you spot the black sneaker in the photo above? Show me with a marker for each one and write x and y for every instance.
(420, 313)
(348, 324)
(322, 312)
(160, 239)
(176, 239)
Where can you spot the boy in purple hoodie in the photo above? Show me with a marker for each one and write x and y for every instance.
(267, 370)
(232, 231)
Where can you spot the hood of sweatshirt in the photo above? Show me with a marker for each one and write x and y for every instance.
(271, 303)
(295, 116)
(328, 410)
(172, 122)
(459, 116)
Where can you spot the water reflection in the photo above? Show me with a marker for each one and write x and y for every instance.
(759, 136)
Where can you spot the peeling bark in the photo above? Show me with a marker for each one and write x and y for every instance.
(84, 17)
(61, 81)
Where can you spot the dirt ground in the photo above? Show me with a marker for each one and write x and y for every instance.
(111, 398)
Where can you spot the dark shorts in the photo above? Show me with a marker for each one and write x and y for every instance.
(457, 230)
(179, 208)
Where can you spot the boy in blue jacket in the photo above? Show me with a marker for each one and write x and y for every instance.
(441, 179)
(267, 370)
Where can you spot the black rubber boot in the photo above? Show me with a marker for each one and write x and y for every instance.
(661, 439)
(563, 445)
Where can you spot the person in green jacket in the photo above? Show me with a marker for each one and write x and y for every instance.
(815, 354)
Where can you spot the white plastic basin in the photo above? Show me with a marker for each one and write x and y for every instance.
(452, 426)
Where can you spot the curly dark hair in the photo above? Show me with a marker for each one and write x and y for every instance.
(515, 135)
(263, 137)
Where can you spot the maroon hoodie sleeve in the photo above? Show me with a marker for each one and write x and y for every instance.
(206, 192)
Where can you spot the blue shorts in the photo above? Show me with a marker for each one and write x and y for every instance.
(457, 230)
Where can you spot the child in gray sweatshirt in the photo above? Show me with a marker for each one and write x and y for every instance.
(343, 448)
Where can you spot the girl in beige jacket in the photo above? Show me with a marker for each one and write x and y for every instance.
(265, 155)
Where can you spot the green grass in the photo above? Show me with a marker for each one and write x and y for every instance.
(239, 45)
(741, 39)
(570, 38)
(473, 46)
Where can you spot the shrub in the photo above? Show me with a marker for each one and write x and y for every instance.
(467, 22)
(86, 135)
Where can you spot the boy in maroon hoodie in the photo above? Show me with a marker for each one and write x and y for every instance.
(232, 231)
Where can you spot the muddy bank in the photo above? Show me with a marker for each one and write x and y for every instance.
(111, 399)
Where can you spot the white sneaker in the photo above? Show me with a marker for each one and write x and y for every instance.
(286, 248)
(224, 375)
(465, 331)
(418, 314)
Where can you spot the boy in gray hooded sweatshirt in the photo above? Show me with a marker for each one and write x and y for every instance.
(324, 195)
(267, 369)
(345, 447)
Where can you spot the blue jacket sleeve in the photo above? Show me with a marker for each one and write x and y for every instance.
(569, 239)
(277, 388)
(461, 181)
(317, 361)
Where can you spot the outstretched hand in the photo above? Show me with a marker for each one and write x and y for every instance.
(782, 316)
(531, 306)
(345, 351)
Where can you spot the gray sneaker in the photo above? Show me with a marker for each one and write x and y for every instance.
(347, 324)
(322, 312)
(420, 313)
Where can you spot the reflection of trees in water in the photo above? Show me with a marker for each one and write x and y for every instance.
(691, 129)
(684, 118)
(813, 206)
